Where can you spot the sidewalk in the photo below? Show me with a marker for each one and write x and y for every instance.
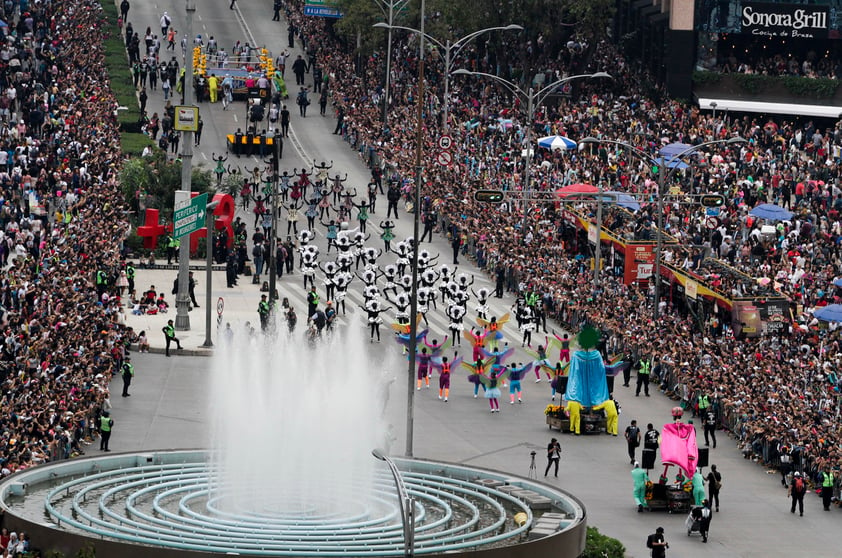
(239, 304)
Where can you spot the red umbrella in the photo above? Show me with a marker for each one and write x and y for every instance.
(576, 189)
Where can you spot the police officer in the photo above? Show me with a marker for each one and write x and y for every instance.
(238, 142)
(127, 371)
(249, 140)
(392, 196)
(130, 275)
(106, 423)
(263, 312)
(169, 336)
(500, 272)
(172, 247)
(312, 301)
(101, 282)
(827, 488)
(429, 219)
(191, 289)
(644, 368)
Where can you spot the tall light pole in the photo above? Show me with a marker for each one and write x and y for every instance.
(407, 504)
(208, 272)
(532, 98)
(392, 5)
(182, 300)
(413, 310)
(597, 254)
(451, 51)
(672, 163)
(273, 238)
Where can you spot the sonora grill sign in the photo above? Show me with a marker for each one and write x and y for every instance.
(798, 19)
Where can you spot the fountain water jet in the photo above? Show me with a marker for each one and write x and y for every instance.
(294, 424)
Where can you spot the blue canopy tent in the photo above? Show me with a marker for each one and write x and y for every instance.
(829, 313)
(771, 212)
(674, 149)
(672, 163)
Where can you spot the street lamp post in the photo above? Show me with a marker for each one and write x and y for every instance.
(389, 14)
(208, 272)
(533, 98)
(407, 504)
(413, 309)
(663, 177)
(597, 261)
(451, 51)
(273, 237)
(182, 300)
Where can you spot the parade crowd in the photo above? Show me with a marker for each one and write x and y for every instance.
(62, 313)
(775, 394)
(62, 233)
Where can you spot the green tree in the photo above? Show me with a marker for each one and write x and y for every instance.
(151, 182)
(598, 545)
(554, 21)
(591, 18)
(357, 24)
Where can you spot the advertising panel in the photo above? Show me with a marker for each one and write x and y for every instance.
(800, 21)
(640, 263)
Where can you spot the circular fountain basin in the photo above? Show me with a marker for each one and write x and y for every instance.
(172, 500)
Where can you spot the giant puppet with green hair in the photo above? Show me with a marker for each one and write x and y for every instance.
(587, 385)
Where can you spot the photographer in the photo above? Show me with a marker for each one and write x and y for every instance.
(658, 543)
(553, 456)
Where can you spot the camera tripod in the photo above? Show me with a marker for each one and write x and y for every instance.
(533, 470)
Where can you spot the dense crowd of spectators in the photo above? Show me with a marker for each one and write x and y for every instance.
(61, 231)
(810, 65)
(774, 392)
(62, 323)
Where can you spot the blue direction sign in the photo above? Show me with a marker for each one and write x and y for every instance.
(189, 215)
(321, 11)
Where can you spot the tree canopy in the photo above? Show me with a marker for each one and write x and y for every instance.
(556, 20)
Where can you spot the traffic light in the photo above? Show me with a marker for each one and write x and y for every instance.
(711, 200)
(489, 196)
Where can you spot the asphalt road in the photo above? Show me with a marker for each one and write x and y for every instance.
(170, 406)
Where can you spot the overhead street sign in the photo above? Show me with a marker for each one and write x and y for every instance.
(189, 215)
(489, 196)
(711, 200)
(321, 11)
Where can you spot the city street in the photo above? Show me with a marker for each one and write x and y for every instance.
(170, 407)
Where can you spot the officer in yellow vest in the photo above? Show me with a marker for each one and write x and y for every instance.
(827, 488)
(127, 371)
(106, 423)
(172, 247)
(644, 368)
(169, 337)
